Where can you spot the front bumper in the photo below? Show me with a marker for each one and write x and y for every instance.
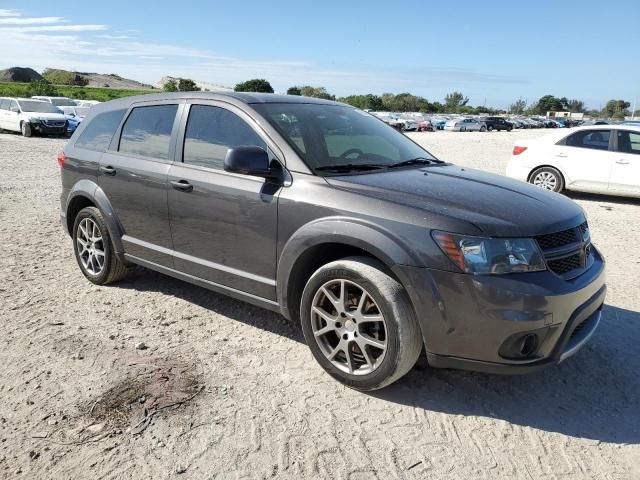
(469, 321)
(44, 129)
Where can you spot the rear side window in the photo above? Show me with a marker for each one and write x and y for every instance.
(628, 142)
(98, 133)
(211, 132)
(147, 131)
(595, 139)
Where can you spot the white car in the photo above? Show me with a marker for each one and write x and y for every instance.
(30, 116)
(597, 159)
(465, 125)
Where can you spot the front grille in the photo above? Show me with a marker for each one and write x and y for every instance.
(567, 252)
(566, 264)
(54, 123)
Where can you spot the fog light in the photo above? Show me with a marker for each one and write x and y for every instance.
(528, 344)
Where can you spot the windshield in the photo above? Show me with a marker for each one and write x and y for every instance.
(63, 102)
(39, 107)
(327, 136)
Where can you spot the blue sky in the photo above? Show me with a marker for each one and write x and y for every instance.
(491, 51)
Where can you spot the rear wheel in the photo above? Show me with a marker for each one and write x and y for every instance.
(548, 178)
(463, 129)
(359, 323)
(25, 128)
(94, 250)
(483, 129)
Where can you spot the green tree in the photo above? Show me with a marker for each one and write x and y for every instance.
(365, 102)
(254, 85)
(170, 86)
(316, 92)
(294, 91)
(576, 106)
(187, 85)
(616, 109)
(518, 107)
(42, 87)
(454, 100)
(548, 103)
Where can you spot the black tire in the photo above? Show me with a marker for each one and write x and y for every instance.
(402, 333)
(509, 129)
(483, 129)
(25, 129)
(490, 128)
(559, 179)
(463, 129)
(113, 268)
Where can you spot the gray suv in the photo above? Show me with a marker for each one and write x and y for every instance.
(324, 213)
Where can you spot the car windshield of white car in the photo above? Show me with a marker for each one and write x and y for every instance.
(37, 107)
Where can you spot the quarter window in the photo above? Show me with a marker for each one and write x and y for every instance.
(628, 142)
(98, 133)
(147, 131)
(594, 139)
(211, 132)
(4, 104)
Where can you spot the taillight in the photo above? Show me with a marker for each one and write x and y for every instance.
(61, 159)
(518, 150)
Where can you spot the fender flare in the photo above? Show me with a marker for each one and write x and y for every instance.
(92, 191)
(371, 238)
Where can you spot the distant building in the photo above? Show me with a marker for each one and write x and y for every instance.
(572, 115)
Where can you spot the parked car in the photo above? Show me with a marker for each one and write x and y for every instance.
(518, 123)
(372, 245)
(497, 123)
(30, 116)
(63, 103)
(465, 125)
(425, 126)
(439, 122)
(598, 159)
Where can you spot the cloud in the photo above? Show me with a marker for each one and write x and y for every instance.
(8, 13)
(55, 28)
(14, 20)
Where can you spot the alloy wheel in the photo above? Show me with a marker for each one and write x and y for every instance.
(90, 246)
(349, 327)
(546, 180)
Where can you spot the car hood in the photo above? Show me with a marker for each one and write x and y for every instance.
(496, 205)
(46, 116)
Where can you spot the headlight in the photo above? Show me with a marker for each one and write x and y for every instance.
(480, 255)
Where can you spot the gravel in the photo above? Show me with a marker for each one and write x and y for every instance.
(284, 417)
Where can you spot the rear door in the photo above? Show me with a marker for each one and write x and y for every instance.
(133, 175)
(13, 117)
(625, 176)
(224, 225)
(586, 158)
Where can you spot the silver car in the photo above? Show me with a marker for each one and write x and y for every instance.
(465, 125)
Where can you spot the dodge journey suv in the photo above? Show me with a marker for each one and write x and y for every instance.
(324, 213)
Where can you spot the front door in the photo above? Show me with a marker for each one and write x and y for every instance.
(224, 225)
(625, 176)
(133, 175)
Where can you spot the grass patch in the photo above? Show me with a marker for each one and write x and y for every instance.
(101, 94)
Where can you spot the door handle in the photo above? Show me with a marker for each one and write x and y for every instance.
(561, 155)
(108, 170)
(182, 185)
(622, 162)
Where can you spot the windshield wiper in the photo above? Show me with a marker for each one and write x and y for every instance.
(416, 161)
(350, 167)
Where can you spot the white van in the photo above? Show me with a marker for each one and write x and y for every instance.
(63, 103)
(30, 116)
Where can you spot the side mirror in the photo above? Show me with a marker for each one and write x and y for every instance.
(248, 160)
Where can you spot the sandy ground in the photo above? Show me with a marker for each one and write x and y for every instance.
(231, 391)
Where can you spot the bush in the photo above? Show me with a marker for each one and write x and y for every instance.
(42, 87)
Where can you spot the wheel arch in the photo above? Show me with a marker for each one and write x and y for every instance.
(324, 241)
(86, 193)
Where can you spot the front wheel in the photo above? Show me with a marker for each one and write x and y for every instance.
(548, 178)
(490, 128)
(359, 323)
(463, 129)
(25, 128)
(483, 129)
